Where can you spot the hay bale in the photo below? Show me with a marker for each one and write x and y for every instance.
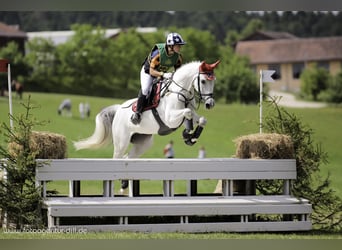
(259, 146)
(48, 145)
(264, 146)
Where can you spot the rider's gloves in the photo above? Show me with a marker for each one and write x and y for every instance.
(167, 75)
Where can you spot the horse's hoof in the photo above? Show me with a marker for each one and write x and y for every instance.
(124, 192)
(202, 121)
(124, 184)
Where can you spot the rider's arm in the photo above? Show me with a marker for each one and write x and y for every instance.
(153, 65)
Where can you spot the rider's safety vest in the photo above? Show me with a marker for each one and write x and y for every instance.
(166, 61)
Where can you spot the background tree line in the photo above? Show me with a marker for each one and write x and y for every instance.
(91, 64)
(301, 23)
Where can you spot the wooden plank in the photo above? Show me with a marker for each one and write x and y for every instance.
(177, 210)
(161, 169)
(137, 165)
(171, 175)
(262, 199)
(201, 227)
(176, 206)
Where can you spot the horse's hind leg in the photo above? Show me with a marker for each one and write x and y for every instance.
(141, 143)
(121, 143)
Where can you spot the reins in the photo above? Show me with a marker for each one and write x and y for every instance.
(166, 90)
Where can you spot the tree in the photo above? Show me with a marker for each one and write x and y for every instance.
(19, 196)
(128, 53)
(43, 60)
(313, 81)
(19, 67)
(86, 62)
(252, 26)
(236, 81)
(327, 206)
(333, 93)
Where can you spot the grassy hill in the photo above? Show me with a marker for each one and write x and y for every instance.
(225, 123)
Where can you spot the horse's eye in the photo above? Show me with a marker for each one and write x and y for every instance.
(203, 81)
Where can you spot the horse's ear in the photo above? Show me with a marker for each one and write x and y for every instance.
(203, 67)
(214, 65)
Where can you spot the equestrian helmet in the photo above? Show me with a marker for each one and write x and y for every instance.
(174, 38)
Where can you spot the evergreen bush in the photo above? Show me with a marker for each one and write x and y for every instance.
(327, 206)
(20, 198)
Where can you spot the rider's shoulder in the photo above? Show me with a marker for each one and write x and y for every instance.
(154, 53)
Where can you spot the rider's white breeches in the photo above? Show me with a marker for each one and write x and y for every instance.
(146, 82)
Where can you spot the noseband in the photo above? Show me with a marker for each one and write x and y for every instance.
(210, 76)
(202, 96)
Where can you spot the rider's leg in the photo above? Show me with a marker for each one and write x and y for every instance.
(136, 117)
(146, 83)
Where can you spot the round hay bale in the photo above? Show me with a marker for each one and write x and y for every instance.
(264, 146)
(47, 145)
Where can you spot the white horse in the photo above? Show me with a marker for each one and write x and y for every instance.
(179, 91)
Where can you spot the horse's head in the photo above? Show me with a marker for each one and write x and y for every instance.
(205, 83)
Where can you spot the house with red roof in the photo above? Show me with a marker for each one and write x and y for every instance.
(289, 56)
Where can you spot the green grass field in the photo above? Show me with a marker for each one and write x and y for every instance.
(225, 123)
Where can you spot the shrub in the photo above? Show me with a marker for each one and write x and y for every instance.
(333, 93)
(313, 81)
(236, 81)
(309, 156)
(19, 196)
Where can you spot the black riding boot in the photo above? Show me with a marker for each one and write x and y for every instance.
(136, 117)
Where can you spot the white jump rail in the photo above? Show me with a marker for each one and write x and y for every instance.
(167, 170)
(122, 211)
(184, 208)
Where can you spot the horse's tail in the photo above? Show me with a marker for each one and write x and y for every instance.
(102, 135)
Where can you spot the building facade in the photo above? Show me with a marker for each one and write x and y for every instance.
(290, 56)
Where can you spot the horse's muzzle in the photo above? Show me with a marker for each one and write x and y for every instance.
(209, 103)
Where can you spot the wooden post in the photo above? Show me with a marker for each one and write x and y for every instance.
(192, 188)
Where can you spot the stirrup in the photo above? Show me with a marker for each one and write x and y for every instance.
(136, 118)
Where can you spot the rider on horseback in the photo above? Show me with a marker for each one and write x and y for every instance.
(162, 57)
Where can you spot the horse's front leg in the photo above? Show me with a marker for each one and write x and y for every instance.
(174, 116)
(189, 136)
(201, 123)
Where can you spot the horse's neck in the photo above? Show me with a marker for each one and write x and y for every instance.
(185, 76)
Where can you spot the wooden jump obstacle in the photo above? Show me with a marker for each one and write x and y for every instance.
(170, 212)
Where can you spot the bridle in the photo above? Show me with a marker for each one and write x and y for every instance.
(210, 76)
(188, 96)
(182, 97)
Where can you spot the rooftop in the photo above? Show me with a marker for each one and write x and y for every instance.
(291, 50)
(11, 31)
(59, 37)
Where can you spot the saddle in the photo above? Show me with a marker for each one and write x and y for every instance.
(153, 100)
(152, 104)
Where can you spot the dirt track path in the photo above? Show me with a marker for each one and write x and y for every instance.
(289, 100)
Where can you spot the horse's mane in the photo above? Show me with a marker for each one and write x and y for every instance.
(188, 69)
